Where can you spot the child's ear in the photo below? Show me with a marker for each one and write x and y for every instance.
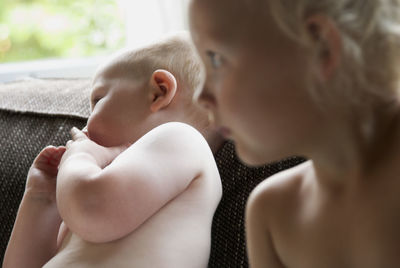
(326, 37)
(163, 89)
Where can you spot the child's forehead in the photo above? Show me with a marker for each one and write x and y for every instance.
(224, 18)
(228, 10)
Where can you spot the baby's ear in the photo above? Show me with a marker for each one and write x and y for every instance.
(163, 89)
(328, 43)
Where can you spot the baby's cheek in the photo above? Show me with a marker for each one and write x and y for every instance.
(93, 126)
(102, 131)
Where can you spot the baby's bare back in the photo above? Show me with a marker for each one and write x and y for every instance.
(160, 195)
(355, 226)
(178, 235)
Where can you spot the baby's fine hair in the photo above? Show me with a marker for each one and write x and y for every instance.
(370, 33)
(175, 53)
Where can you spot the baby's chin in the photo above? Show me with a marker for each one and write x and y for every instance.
(102, 140)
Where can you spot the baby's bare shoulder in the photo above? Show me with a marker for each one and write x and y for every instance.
(176, 144)
(175, 134)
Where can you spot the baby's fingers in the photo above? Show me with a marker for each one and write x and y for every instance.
(45, 154)
(77, 134)
(58, 155)
(49, 157)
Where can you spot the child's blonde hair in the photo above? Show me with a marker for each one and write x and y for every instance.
(370, 32)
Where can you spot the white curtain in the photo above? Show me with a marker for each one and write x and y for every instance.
(147, 20)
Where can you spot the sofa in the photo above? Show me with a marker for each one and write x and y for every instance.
(39, 112)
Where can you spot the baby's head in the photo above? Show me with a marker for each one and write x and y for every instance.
(278, 70)
(139, 89)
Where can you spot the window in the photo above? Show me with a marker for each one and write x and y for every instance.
(62, 38)
(146, 20)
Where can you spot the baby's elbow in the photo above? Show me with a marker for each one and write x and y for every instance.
(91, 226)
(102, 229)
(83, 212)
(95, 234)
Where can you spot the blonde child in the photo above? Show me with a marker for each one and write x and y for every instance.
(320, 79)
(140, 188)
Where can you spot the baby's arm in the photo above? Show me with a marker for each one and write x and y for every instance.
(106, 203)
(34, 237)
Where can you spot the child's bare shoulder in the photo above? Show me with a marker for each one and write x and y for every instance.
(278, 193)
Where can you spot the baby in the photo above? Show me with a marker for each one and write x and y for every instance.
(320, 79)
(140, 188)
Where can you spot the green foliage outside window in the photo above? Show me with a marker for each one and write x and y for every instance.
(37, 29)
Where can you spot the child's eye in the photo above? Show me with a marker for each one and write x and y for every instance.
(215, 59)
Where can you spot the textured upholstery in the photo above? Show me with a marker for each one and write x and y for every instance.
(228, 247)
(26, 126)
(22, 137)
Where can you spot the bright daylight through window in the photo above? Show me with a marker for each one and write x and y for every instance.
(64, 38)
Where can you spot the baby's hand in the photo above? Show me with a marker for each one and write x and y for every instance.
(80, 143)
(42, 175)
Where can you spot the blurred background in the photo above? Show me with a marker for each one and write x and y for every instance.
(69, 38)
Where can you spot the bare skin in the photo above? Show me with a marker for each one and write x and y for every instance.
(141, 239)
(137, 190)
(308, 224)
(341, 208)
(39, 203)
